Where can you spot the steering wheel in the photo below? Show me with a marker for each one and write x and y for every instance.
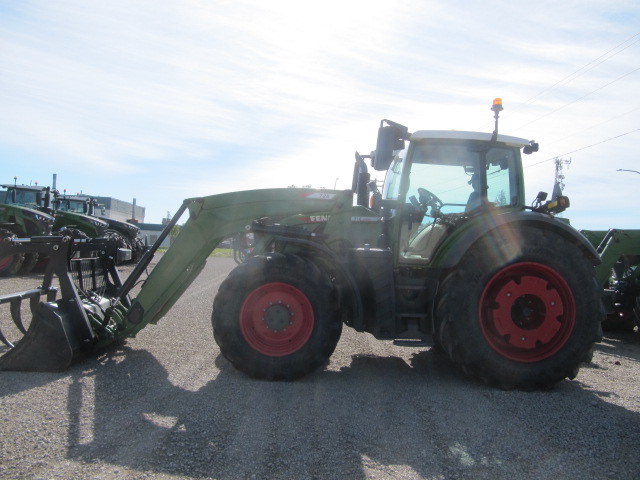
(429, 199)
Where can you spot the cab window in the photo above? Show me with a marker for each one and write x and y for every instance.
(451, 172)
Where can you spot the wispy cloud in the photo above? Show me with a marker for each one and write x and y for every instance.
(198, 97)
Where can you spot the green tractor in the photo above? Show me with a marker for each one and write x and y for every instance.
(76, 218)
(126, 235)
(50, 202)
(447, 255)
(20, 217)
(64, 214)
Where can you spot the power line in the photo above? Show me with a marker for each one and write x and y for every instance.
(582, 148)
(581, 71)
(592, 126)
(577, 99)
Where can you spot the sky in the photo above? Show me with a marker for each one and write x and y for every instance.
(170, 99)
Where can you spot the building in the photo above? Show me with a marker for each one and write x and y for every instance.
(120, 210)
(151, 231)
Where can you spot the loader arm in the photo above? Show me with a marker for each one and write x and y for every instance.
(95, 307)
(211, 220)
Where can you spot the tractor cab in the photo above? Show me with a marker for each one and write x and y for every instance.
(438, 180)
(24, 195)
(443, 179)
(78, 204)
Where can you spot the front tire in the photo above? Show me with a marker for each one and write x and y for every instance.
(275, 317)
(526, 320)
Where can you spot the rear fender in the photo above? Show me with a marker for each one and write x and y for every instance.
(508, 224)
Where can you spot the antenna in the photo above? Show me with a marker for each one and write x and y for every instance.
(558, 184)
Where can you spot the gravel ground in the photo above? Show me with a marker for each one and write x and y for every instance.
(166, 405)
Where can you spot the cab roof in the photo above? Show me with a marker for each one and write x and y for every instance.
(34, 188)
(462, 135)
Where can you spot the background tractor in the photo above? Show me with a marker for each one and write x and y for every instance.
(20, 217)
(29, 206)
(126, 235)
(447, 254)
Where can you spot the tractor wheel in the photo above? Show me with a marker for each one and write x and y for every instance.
(521, 317)
(275, 317)
(30, 262)
(137, 249)
(10, 264)
(121, 241)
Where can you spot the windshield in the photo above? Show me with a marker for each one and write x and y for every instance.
(451, 171)
(23, 197)
(76, 206)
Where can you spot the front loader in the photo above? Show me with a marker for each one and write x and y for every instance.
(619, 274)
(447, 255)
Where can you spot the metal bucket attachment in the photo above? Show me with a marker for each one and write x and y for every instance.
(48, 346)
(61, 328)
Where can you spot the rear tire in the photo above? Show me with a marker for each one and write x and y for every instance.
(120, 240)
(10, 264)
(522, 318)
(30, 262)
(275, 317)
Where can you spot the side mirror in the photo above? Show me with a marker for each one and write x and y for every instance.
(360, 180)
(531, 148)
(390, 138)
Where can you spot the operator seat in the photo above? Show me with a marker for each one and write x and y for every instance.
(423, 243)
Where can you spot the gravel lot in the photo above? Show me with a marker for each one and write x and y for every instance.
(165, 405)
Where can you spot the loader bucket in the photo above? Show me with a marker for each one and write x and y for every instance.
(48, 345)
(62, 327)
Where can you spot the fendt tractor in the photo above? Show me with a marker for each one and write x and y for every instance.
(63, 215)
(126, 235)
(49, 201)
(447, 254)
(20, 217)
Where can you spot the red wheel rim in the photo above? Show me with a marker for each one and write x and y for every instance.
(276, 319)
(5, 262)
(527, 312)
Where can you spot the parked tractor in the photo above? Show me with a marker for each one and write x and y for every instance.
(62, 214)
(448, 254)
(76, 218)
(126, 235)
(20, 217)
